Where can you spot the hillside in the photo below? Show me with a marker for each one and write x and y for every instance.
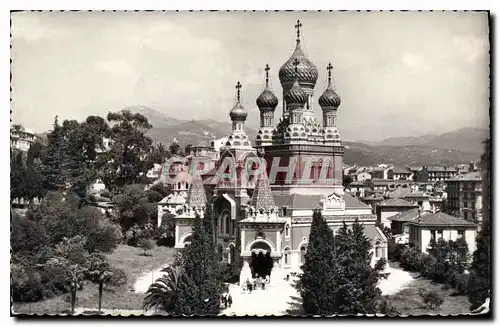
(165, 129)
(366, 155)
(468, 139)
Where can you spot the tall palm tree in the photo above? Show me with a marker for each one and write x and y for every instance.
(163, 293)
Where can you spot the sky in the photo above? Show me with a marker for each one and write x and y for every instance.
(398, 73)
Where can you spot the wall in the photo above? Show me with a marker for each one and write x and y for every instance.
(386, 213)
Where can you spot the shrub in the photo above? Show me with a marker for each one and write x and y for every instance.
(395, 251)
(385, 307)
(462, 284)
(432, 299)
(426, 265)
(410, 259)
(147, 245)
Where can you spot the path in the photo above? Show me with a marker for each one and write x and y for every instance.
(278, 300)
(283, 299)
(397, 280)
(142, 283)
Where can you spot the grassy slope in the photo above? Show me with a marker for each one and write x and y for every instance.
(408, 302)
(125, 257)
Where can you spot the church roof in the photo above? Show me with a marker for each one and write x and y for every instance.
(304, 201)
(196, 195)
(262, 196)
(353, 203)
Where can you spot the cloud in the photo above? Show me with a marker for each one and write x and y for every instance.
(114, 67)
(33, 27)
(474, 48)
(416, 63)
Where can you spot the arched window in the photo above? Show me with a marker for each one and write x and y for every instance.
(287, 231)
(378, 250)
(228, 223)
(187, 241)
(179, 185)
(303, 252)
(287, 256)
(232, 253)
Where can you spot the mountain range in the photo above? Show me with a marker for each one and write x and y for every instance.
(467, 139)
(459, 146)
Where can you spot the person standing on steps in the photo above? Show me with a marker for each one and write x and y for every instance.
(229, 300)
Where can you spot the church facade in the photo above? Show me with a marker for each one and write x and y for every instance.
(264, 217)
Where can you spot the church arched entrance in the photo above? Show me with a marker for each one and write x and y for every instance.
(261, 262)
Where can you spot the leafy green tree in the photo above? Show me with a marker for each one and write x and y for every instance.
(355, 280)
(101, 233)
(201, 285)
(314, 284)
(134, 207)
(163, 293)
(53, 159)
(99, 272)
(70, 256)
(128, 159)
(18, 184)
(175, 149)
(480, 269)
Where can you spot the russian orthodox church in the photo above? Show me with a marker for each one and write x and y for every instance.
(263, 222)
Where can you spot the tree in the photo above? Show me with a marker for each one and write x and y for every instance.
(17, 175)
(201, 285)
(163, 293)
(175, 149)
(71, 257)
(101, 233)
(99, 272)
(134, 207)
(346, 180)
(480, 269)
(166, 230)
(314, 284)
(355, 281)
(53, 159)
(127, 161)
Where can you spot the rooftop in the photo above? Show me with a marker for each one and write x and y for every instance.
(442, 219)
(396, 202)
(407, 215)
(472, 176)
(303, 201)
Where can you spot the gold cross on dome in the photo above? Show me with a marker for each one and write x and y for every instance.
(298, 26)
(329, 68)
(238, 88)
(267, 73)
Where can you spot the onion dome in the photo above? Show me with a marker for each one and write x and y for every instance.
(296, 95)
(267, 99)
(238, 112)
(307, 73)
(329, 98)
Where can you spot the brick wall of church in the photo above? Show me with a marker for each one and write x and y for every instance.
(298, 234)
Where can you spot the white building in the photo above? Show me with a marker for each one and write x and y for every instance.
(441, 225)
(21, 138)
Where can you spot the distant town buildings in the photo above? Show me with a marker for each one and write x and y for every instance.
(464, 196)
(20, 138)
